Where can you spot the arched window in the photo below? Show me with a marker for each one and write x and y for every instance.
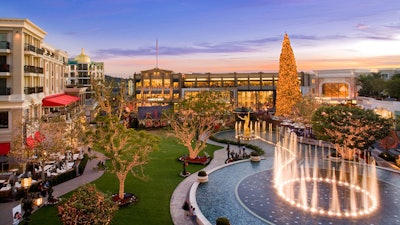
(335, 90)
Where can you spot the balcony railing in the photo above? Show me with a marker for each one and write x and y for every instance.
(5, 91)
(32, 90)
(4, 68)
(29, 47)
(4, 45)
(39, 51)
(33, 69)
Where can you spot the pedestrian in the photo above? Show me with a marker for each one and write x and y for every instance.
(193, 213)
(228, 151)
(186, 208)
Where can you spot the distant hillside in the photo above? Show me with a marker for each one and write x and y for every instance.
(114, 79)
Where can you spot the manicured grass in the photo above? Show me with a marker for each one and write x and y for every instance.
(153, 194)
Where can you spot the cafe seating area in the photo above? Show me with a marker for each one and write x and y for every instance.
(57, 169)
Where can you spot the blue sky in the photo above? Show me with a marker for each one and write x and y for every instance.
(218, 35)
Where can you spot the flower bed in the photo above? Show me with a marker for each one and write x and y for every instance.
(128, 199)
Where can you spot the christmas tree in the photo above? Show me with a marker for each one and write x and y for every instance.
(288, 91)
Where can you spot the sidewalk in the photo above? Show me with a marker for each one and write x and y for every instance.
(181, 192)
(88, 176)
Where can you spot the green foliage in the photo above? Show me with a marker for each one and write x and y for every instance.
(197, 117)
(349, 128)
(393, 86)
(127, 149)
(304, 109)
(254, 153)
(222, 221)
(202, 173)
(372, 85)
(87, 206)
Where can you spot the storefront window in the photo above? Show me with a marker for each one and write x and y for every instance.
(255, 99)
(335, 90)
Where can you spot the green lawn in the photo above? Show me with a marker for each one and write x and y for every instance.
(153, 194)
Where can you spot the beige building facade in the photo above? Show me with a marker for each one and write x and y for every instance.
(31, 70)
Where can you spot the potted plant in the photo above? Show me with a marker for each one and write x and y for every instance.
(255, 156)
(222, 221)
(202, 176)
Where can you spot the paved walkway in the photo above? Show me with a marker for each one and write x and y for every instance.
(88, 176)
(181, 193)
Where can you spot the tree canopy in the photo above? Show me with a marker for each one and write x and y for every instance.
(393, 87)
(196, 118)
(127, 148)
(349, 128)
(372, 85)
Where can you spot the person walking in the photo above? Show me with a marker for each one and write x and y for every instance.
(228, 151)
(186, 208)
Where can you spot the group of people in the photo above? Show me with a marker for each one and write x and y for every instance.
(190, 211)
(46, 189)
(233, 156)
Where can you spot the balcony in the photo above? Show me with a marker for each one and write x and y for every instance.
(40, 51)
(29, 90)
(5, 91)
(32, 90)
(4, 68)
(33, 69)
(30, 48)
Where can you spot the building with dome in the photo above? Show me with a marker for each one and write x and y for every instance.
(82, 70)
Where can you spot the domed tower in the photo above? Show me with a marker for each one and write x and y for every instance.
(83, 58)
(83, 71)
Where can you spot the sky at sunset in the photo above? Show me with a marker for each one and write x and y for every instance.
(218, 35)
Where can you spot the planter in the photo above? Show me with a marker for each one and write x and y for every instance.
(128, 199)
(202, 179)
(256, 158)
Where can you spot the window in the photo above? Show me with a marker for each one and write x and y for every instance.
(3, 120)
(335, 90)
(3, 37)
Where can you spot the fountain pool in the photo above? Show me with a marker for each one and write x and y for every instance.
(246, 193)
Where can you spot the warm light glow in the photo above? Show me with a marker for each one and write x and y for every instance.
(294, 185)
(38, 201)
(26, 182)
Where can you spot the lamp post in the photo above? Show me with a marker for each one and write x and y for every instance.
(26, 182)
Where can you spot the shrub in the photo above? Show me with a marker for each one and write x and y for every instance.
(87, 206)
(223, 221)
(202, 173)
(254, 153)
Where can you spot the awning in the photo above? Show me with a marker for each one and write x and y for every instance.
(59, 100)
(4, 148)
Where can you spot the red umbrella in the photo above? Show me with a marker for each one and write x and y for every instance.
(30, 142)
(39, 137)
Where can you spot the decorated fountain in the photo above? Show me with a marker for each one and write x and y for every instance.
(298, 184)
(246, 129)
(299, 180)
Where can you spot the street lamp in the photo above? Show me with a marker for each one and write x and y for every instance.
(26, 182)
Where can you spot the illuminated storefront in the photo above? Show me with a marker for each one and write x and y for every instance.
(250, 90)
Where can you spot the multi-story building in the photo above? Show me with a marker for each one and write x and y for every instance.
(337, 86)
(31, 78)
(82, 70)
(250, 90)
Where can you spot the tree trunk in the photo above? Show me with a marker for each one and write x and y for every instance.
(43, 172)
(121, 192)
